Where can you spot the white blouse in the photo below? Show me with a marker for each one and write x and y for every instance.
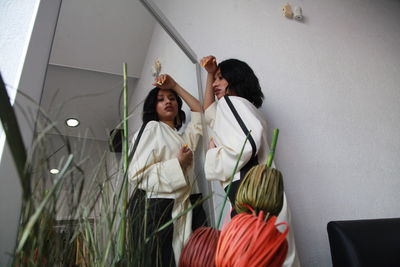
(229, 139)
(156, 169)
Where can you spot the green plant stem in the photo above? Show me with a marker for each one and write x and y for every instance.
(113, 222)
(125, 140)
(122, 233)
(273, 147)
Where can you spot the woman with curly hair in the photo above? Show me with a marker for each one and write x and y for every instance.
(161, 171)
(231, 101)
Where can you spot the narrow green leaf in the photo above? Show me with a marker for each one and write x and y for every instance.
(14, 138)
(122, 234)
(273, 147)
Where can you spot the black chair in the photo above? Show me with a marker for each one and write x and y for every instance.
(364, 243)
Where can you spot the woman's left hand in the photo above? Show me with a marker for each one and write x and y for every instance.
(164, 81)
(209, 63)
(185, 157)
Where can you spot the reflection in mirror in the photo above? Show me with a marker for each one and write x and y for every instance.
(79, 183)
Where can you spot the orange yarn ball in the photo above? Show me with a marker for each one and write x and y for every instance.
(250, 241)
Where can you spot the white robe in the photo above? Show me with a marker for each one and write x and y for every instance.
(156, 170)
(229, 139)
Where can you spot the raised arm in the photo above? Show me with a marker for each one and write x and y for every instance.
(209, 63)
(164, 81)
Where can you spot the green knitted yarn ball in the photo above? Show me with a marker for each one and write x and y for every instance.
(262, 190)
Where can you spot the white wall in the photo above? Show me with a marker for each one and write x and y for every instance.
(331, 87)
(16, 23)
(26, 50)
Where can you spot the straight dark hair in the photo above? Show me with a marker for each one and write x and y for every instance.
(241, 80)
(150, 108)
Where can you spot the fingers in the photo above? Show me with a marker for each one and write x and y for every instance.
(208, 59)
(157, 81)
(209, 63)
(185, 148)
(160, 80)
(189, 154)
(204, 61)
(185, 156)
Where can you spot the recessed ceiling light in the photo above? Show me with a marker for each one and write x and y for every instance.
(54, 171)
(72, 122)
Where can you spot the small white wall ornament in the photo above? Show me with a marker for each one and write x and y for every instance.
(298, 13)
(287, 11)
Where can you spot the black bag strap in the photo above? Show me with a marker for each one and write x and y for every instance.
(138, 137)
(252, 162)
(138, 193)
(242, 125)
(136, 142)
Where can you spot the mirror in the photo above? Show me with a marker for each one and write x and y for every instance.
(84, 81)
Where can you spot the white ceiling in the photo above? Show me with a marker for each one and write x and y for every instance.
(92, 40)
(92, 97)
(101, 34)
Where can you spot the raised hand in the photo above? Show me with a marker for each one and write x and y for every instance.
(209, 63)
(164, 81)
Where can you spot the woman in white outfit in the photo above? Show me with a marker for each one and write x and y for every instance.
(161, 171)
(234, 83)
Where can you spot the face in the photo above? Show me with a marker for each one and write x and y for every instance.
(219, 85)
(167, 105)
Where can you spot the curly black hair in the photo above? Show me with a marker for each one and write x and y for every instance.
(242, 80)
(150, 110)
